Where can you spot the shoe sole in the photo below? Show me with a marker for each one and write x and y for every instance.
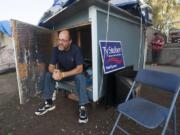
(50, 109)
(83, 121)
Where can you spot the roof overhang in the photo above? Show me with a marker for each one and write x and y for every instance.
(80, 5)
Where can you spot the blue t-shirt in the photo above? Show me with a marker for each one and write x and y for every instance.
(67, 60)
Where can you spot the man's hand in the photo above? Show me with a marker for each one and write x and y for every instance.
(57, 75)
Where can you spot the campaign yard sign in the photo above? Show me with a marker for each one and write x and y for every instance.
(112, 55)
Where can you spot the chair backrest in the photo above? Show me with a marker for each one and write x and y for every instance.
(164, 81)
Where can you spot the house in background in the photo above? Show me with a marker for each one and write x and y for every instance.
(174, 36)
(7, 60)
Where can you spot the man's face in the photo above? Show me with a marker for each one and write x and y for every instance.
(64, 41)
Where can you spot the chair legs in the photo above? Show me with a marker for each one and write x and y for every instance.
(115, 125)
(174, 121)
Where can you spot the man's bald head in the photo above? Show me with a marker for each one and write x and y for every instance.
(67, 33)
(64, 40)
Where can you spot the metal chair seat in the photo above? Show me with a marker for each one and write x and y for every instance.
(145, 113)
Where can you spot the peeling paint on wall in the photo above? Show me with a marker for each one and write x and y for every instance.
(23, 71)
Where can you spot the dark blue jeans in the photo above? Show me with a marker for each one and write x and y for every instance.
(48, 86)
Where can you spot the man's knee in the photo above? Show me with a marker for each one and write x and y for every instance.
(48, 75)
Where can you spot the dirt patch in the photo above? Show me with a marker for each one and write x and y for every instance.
(19, 119)
(8, 87)
(16, 119)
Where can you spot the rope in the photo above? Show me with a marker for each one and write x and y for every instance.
(107, 34)
(141, 31)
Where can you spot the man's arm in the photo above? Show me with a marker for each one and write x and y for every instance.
(51, 68)
(58, 75)
(77, 70)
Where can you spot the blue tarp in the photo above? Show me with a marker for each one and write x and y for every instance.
(62, 3)
(5, 27)
(57, 6)
(137, 8)
(132, 6)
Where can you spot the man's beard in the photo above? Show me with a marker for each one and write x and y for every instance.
(60, 48)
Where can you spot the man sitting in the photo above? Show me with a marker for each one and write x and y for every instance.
(69, 59)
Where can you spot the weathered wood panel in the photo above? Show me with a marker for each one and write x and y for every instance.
(32, 50)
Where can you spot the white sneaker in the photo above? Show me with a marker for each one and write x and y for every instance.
(54, 95)
(45, 108)
(83, 118)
